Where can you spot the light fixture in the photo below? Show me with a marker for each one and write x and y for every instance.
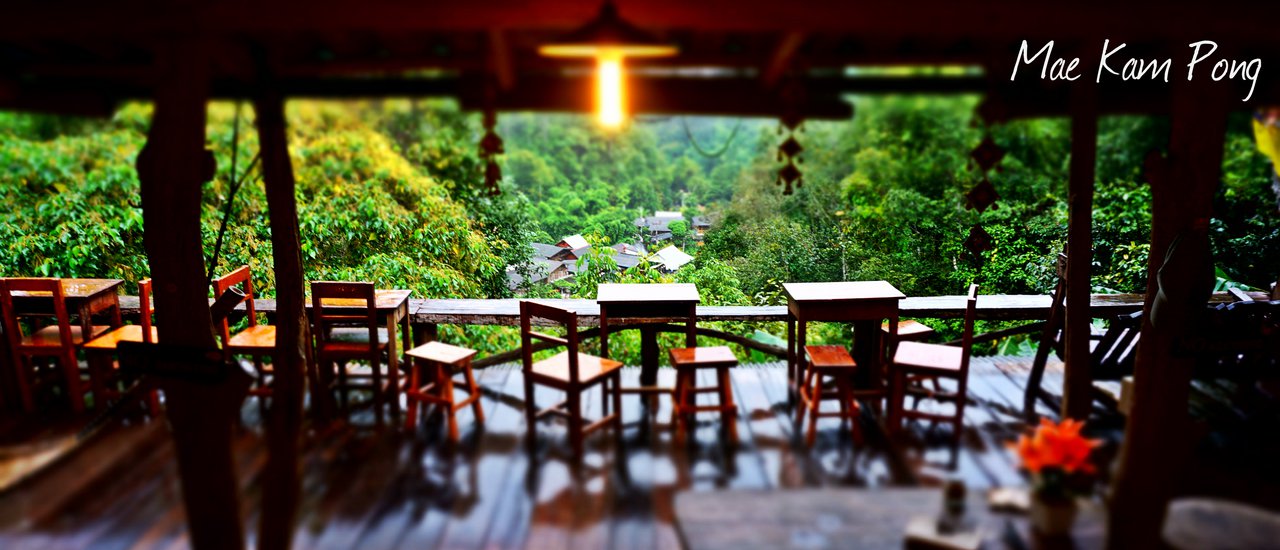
(609, 40)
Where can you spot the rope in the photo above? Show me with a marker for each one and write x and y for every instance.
(689, 134)
(229, 207)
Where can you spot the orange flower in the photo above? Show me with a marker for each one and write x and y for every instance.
(1056, 446)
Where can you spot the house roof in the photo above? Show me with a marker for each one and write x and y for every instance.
(543, 250)
(573, 241)
(701, 221)
(629, 249)
(626, 261)
(672, 258)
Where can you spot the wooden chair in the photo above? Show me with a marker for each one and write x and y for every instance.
(345, 322)
(257, 341)
(687, 362)
(99, 351)
(441, 362)
(915, 359)
(569, 371)
(59, 341)
(829, 375)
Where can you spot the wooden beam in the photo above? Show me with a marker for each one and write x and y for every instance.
(781, 58)
(172, 169)
(500, 59)
(1078, 382)
(281, 486)
(1180, 277)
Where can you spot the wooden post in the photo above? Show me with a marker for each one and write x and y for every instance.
(1078, 382)
(1156, 442)
(293, 335)
(172, 168)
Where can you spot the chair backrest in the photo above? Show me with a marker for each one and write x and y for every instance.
(53, 286)
(144, 308)
(240, 277)
(970, 315)
(339, 304)
(533, 310)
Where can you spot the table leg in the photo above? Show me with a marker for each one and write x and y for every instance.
(648, 356)
(791, 353)
(802, 335)
(604, 332)
(393, 365)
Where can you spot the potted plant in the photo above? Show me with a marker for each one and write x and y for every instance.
(1057, 457)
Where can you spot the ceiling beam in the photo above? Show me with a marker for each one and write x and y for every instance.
(500, 59)
(781, 58)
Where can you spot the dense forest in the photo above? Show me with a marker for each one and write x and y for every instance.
(391, 192)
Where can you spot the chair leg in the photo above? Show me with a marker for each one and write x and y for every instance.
(22, 367)
(815, 405)
(679, 402)
(72, 371)
(379, 394)
(729, 410)
(474, 392)
(574, 404)
(447, 390)
(530, 411)
(411, 415)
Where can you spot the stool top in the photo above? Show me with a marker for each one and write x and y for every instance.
(712, 356)
(910, 330)
(829, 356)
(441, 352)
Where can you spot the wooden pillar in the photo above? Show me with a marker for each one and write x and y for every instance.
(1156, 442)
(293, 335)
(172, 168)
(1078, 382)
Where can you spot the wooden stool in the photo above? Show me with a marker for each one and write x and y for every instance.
(835, 363)
(910, 331)
(685, 406)
(444, 361)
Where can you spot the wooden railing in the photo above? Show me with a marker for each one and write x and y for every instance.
(427, 315)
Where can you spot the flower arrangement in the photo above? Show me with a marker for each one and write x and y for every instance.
(1058, 458)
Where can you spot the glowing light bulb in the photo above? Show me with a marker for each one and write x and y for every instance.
(611, 93)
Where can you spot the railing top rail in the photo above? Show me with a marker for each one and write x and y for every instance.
(1011, 307)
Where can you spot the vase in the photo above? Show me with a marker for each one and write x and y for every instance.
(1052, 517)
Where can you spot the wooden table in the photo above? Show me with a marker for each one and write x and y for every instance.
(850, 518)
(864, 303)
(647, 301)
(84, 298)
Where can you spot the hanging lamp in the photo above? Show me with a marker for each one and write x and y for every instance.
(609, 40)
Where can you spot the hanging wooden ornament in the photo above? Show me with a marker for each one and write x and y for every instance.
(792, 97)
(490, 147)
(987, 154)
(979, 241)
(982, 196)
(789, 175)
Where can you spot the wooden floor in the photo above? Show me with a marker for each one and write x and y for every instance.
(382, 488)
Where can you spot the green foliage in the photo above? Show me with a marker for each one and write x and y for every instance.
(391, 191)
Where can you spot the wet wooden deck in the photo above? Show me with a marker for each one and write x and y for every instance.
(383, 488)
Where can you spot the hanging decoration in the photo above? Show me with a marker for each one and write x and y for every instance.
(791, 121)
(491, 147)
(979, 241)
(987, 155)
